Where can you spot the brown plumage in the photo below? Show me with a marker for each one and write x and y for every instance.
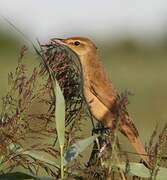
(99, 91)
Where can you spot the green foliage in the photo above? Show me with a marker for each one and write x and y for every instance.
(137, 169)
(16, 129)
(60, 115)
(21, 176)
(60, 122)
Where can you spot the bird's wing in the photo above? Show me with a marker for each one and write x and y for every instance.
(104, 91)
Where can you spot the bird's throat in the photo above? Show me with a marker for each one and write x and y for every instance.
(92, 69)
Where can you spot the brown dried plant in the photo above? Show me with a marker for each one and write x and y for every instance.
(23, 127)
(27, 120)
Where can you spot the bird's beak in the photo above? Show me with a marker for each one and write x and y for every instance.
(57, 40)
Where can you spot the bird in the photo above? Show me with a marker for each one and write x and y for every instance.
(99, 91)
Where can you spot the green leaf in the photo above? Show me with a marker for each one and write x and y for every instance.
(60, 114)
(17, 149)
(21, 176)
(134, 169)
(77, 148)
(40, 158)
(162, 174)
(60, 122)
(137, 169)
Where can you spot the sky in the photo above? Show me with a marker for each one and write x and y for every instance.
(45, 19)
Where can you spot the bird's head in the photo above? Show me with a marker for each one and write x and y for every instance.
(81, 46)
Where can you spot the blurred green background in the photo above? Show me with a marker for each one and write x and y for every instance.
(138, 67)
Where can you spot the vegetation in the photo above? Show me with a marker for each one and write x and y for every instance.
(43, 117)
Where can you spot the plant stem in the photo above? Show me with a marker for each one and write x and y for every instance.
(62, 161)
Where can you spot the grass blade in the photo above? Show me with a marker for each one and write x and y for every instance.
(137, 169)
(60, 122)
(21, 176)
(19, 150)
(60, 115)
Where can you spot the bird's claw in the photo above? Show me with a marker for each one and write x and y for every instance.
(100, 130)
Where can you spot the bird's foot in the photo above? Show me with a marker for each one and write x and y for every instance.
(100, 130)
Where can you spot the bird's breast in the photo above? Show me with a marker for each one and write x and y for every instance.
(93, 72)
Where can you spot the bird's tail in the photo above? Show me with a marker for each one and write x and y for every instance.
(128, 128)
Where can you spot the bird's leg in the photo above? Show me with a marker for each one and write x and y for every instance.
(100, 129)
(98, 150)
(101, 145)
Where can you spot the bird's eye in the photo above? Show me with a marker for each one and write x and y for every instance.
(76, 43)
